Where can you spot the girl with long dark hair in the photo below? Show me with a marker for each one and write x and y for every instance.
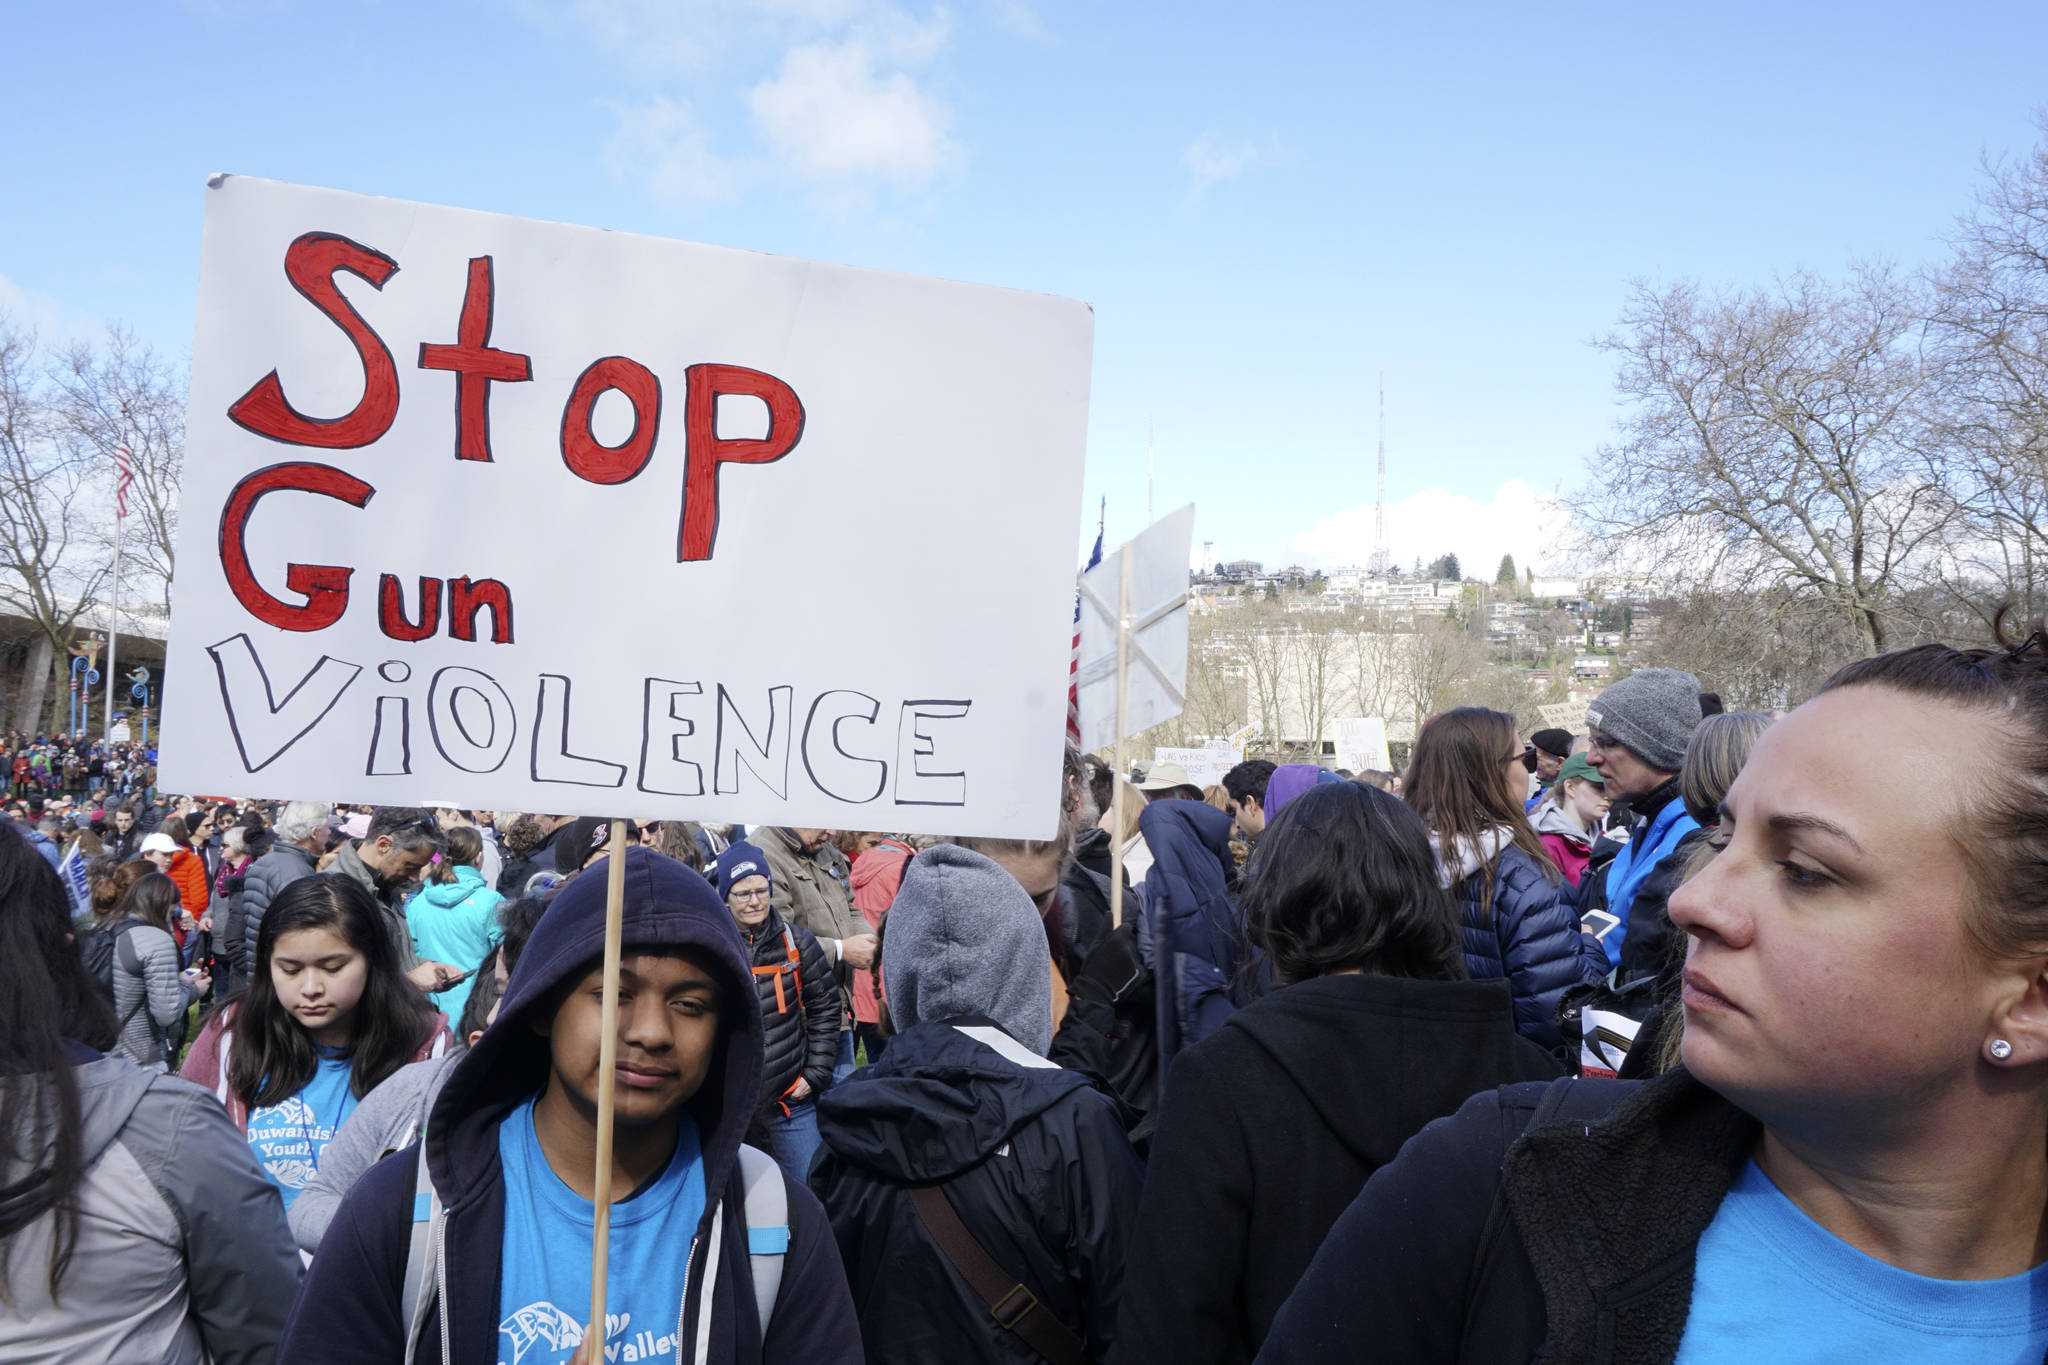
(133, 1223)
(1273, 1123)
(327, 1015)
(1520, 920)
(150, 995)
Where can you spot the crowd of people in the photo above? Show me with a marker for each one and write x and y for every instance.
(75, 768)
(1689, 1037)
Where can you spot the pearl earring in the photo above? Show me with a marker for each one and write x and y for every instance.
(2000, 1049)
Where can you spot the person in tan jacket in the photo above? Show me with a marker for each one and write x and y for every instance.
(810, 881)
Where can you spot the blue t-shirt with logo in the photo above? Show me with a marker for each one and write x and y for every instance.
(1773, 1285)
(288, 1137)
(545, 1262)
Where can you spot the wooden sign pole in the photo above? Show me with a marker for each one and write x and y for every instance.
(607, 1064)
(1116, 800)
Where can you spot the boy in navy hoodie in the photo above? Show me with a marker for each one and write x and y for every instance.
(502, 1272)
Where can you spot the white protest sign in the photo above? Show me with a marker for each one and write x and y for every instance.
(1362, 744)
(1158, 663)
(1205, 766)
(546, 518)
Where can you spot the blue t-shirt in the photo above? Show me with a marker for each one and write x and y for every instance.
(289, 1137)
(1773, 1285)
(546, 1258)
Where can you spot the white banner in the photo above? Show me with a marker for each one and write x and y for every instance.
(1157, 668)
(1362, 744)
(546, 518)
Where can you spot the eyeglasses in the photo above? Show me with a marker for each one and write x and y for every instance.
(1596, 740)
(748, 896)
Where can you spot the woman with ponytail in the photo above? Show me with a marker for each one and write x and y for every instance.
(453, 917)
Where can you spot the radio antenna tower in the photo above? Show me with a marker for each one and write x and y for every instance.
(1380, 557)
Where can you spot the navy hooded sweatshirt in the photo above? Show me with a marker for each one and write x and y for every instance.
(350, 1308)
(1198, 938)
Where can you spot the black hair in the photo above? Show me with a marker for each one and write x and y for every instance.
(1249, 778)
(517, 918)
(1344, 878)
(1101, 783)
(46, 998)
(483, 997)
(410, 828)
(273, 1055)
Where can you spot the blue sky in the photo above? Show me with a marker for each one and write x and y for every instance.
(1266, 205)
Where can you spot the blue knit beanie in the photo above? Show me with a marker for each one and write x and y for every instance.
(739, 862)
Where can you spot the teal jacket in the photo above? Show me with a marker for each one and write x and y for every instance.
(456, 923)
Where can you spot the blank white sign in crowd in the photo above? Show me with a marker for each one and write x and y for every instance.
(535, 517)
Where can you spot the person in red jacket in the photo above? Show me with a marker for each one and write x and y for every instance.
(877, 872)
(170, 848)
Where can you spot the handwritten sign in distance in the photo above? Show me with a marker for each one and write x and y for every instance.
(539, 517)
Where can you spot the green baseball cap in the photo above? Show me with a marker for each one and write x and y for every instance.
(1576, 766)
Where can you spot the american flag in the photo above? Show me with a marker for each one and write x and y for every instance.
(124, 469)
(1074, 659)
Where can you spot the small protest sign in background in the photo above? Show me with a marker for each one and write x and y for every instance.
(546, 518)
(1362, 744)
(1204, 766)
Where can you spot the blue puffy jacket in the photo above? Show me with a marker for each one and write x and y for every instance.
(1197, 935)
(1530, 936)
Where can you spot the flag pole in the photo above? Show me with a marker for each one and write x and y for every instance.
(607, 1064)
(121, 465)
(1116, 800)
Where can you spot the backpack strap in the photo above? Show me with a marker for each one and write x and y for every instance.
(1564, 1100)
(422, 1255)
(1010, 1301)
(767, 1217)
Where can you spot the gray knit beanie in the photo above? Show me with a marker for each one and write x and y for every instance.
(1653, 713)
(963, 938)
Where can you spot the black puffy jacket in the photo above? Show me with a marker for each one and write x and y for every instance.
(1530, 935)
(799, 1006)
(1033, 1159)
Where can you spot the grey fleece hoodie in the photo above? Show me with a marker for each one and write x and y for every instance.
(183, 1255)
(964, 939)
(389, 1119)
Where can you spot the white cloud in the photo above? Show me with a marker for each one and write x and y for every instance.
(1532, 525)
(834, 117)
(52, 322)
(846, 111)
(1211, 160)
(664, 147)
(1016, 17)
(667, 35)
